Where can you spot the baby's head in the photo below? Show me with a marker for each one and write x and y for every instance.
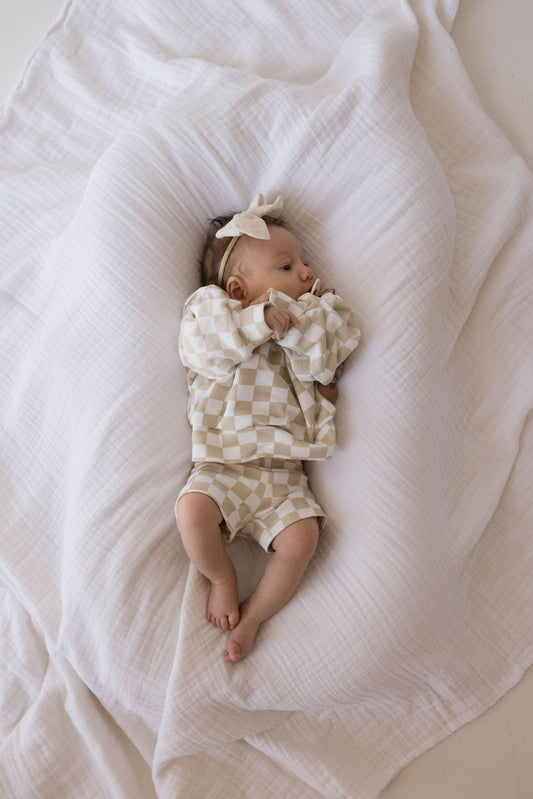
(215, 249)
(246, 266)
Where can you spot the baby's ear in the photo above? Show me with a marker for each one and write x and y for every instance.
(236, 288)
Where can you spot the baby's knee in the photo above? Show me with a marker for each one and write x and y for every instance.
(299, 540)
(195, 510)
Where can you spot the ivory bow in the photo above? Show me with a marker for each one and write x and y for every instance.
(250, 222)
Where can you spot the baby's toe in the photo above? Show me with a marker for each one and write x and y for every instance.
(232, 653)
(223, 623)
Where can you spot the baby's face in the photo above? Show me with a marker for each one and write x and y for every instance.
(276, 263)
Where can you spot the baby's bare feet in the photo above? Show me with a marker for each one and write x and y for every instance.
(223, 605)
(240, 641)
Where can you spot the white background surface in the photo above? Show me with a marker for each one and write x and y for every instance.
(491, 757)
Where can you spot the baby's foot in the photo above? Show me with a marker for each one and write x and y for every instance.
(240, 641)
(223, 605)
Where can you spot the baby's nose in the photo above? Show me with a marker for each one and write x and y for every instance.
(307, 274)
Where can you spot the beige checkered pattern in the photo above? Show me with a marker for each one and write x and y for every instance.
(257, 500)
(251, 396)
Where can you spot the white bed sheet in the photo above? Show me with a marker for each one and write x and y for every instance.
(63, 680)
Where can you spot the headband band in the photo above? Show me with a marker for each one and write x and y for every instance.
(224, 261)
(248, 223)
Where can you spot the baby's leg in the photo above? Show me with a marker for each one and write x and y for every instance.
(199, 519)
(293, 549)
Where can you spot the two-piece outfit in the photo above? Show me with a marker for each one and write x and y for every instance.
(254, 405)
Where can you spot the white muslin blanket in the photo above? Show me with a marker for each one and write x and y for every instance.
(134, 123)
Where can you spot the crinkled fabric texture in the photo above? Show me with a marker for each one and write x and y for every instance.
(132, 126)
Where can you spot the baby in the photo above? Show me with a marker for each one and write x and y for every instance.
(260, 347)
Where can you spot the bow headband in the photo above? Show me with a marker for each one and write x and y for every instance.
(248, 223)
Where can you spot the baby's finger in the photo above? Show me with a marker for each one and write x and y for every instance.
(277, 326)
(293, 320)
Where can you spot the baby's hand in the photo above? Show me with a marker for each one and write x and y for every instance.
(279, 321)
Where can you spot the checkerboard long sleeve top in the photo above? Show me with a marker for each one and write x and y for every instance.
(252, 397)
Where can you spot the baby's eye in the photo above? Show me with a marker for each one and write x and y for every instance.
(286, 267)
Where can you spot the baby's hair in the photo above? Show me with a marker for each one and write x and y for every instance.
(214, 249)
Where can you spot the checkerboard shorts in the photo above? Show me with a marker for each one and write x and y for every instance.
(257, 499)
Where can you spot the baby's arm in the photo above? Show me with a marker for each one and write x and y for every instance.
(329, 391)
(327, 333)
(217, 333)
